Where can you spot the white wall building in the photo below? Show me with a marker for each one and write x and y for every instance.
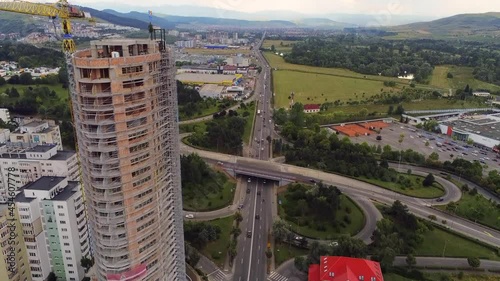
(484, 130)
(54, 222)
(4, 135)
(38, 132)
(4, 115)
(27, 164)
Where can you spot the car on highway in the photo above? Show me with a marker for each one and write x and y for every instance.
(240, 206)
(248, 190)
(313, 181)
(249, 180)
(249, 234)
(440, 199)
(264, 181)
(258, 192)
(257, 216)
(190, 216)
(220, 163)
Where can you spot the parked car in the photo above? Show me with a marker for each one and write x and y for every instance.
(190, 216)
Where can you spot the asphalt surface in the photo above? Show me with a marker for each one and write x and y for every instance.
(416, 139)
(251, 261)
(352, 188)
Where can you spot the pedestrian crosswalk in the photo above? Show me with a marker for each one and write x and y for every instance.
(275, 276)
(217, 276)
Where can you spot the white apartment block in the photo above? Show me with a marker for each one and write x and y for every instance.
(53, 217)
(21, 165)
(4, 135)
(38, 132)
(4, 115)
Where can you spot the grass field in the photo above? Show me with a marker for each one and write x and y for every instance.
(249, 124)
(284, 252)
(442, 243)
(224, 52)
(212, 201)
(60, 91)
(356, 215)
(217, 250)
(279, 63)
(416, 189)
(320, 88)
(204, 112)
(279, 45)
(461, 77)
(469, 205)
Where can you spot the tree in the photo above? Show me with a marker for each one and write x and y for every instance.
(399, 110)
(273, 48)
(86, 262)
(299, 263)
(350, 247)
(449, 75)
(14, 80)
(269, 253)
(385, 257)
(410, 261)
(25, 78)
(434, 156)
(280, 230)
(429, 180)
(52, 277)
(474, 262)
(2, 81)
(390, 111)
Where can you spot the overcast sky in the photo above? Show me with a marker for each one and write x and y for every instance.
(406, 7)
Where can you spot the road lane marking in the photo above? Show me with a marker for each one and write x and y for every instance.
(489, 234)
(253, 233)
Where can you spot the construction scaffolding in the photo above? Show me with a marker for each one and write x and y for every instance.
(125, 110)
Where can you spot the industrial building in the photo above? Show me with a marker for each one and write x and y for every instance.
(211, 91)
(124, 100)
(200, 79)
(54, 222)
(483, 130)
(26, 163)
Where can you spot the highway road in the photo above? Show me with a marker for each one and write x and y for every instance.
(251, 261)
(352, 187)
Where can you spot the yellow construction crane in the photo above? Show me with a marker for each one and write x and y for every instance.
(61, 9)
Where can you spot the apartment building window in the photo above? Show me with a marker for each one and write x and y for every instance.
(141, 181)
(62, 222)
(144, 203)
(140, 171)
(59, 207)
(139, 147)
(139, 159)
(65, 237)
(135, 110)
(64, 229)
(132, 69)
(133, 83)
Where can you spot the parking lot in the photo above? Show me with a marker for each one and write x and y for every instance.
(443, 145)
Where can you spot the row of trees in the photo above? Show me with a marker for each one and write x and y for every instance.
(30, 56)
(373, 55)
(223, 134)
(318, 204)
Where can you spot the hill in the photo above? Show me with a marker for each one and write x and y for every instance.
(116, 19)
(480, 25)
(171, 21)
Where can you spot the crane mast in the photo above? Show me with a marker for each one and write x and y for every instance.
(61, 9)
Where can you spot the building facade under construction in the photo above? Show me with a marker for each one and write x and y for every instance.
(124, 100)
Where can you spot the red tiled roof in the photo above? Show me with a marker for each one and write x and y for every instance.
(230, 67)
(313, 272)
(345, 268)
(311, 106)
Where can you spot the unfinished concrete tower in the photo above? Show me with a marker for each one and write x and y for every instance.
(125, 110)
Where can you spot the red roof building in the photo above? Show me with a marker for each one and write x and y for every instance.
(345, 269)
(312, 108)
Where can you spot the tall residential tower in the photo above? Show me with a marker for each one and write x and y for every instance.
(125, 110)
